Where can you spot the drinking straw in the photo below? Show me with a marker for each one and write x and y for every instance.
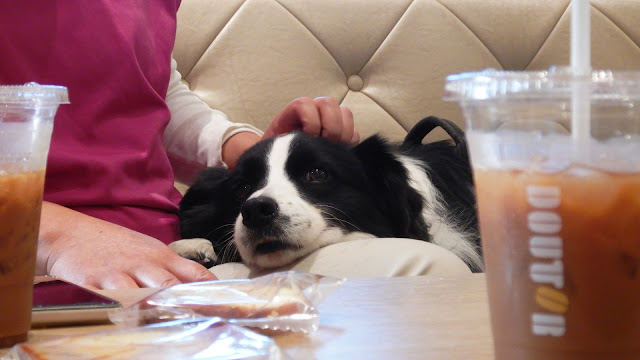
(581, 69)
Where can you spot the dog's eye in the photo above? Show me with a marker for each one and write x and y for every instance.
(316, 175)
(242, 191)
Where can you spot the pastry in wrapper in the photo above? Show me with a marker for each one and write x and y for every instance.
(206, 339)
(279, 301)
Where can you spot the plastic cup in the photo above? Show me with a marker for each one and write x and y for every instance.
(560, 231)
(26, 122)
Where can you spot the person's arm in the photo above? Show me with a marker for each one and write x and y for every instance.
(101, 255)
(319, 117)
(195, 135)
(198, 136)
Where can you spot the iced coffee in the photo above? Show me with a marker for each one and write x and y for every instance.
(562, 253)
(20, 203)
(26, 123)
(559, 224)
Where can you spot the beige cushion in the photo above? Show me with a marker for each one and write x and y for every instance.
(386, 59)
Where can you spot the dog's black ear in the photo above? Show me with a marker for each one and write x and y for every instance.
(201, 201)
(400, 203)
(207, 184)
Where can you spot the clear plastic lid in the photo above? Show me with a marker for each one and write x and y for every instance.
(553, 84)
(33, 93)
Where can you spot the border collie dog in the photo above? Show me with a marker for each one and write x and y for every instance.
(292, 194)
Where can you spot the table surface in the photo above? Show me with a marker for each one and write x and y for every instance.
(377, 318)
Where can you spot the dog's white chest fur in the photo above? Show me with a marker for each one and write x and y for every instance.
(442, 230)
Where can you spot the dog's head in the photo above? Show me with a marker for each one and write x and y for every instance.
(287, 197)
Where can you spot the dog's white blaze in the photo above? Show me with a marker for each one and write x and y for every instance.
(442, 231)
(306, 226)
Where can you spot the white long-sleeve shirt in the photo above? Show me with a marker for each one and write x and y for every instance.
(196, 132)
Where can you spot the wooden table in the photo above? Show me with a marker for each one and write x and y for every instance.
(379, 318)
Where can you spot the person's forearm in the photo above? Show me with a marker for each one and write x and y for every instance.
(54, 222)
(99, 254)
(195, 135)
(236, 145)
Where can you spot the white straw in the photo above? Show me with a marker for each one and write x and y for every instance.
(581, 37)
(581, 68)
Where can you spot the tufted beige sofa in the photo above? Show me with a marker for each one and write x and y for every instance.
(385, 59)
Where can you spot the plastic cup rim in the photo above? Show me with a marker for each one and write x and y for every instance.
(33, 93)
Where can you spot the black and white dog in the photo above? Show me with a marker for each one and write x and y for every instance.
(293, 194)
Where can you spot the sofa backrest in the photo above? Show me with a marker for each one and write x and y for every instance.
(385, 59)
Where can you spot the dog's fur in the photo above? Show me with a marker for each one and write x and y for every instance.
(293, 194)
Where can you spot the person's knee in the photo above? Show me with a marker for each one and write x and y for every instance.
(373, 257)
(385, 257)
(232, 270)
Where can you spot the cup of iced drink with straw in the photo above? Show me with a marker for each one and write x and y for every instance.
(557, 172)
(26, 123)
(559, 227)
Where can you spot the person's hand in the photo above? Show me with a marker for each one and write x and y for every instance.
(322, 116)
(101, 255)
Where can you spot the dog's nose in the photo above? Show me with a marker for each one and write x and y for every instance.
(258, 212)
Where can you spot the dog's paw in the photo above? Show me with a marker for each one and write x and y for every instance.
(198, 250)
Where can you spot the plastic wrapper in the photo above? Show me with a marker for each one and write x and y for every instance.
(283, 301)
(205, 339)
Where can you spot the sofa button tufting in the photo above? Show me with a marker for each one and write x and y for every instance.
(355, 83)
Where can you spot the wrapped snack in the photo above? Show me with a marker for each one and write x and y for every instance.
(206, 339)
(283, 301)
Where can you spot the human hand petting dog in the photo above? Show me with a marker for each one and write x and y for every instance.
(322, 116)
(101, 255)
